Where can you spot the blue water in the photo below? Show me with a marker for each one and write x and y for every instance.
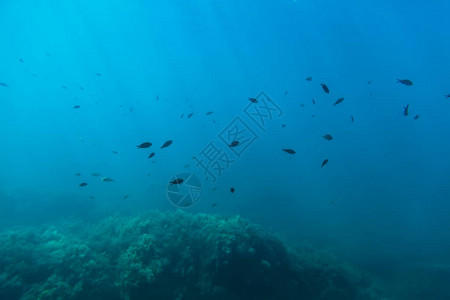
(382, 201)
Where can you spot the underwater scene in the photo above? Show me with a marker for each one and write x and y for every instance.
(292, 149)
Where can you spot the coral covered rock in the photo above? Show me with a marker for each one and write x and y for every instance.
(168, 256)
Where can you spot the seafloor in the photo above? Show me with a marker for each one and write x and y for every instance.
(169, 256)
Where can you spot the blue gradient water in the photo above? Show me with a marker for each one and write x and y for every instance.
(381, 202)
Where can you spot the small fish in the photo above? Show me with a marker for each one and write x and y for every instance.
(64, 87)
(98, 74)
(77, 174)
(352, 118)
(313, 101)
(232, 190)
(406, 110)
(214, 204)
(285, 93)
(302, 105)
(47, 54)
(325, 88)
(114, 152)
(447, 96)
(214, 188)
(328, 137)
(233, 144)
(187, 166)
(283, 125)
(107, 179)
(81, 88)
(190, 115)
(83, 184)
(416, 117)
(209, 113)
(176, 181)
(76, 106)
(290, 151)
(21, 60)
(338, 101)
(144, 145)
(157, 97)
(182, 115)
(309, 78)
(4, 84)
(125, 197)
(405, 82)
(166, 144)
(325, 161)
(95, 174)
(369, 82)
(91, 197)
(253, 100)
(151, 155)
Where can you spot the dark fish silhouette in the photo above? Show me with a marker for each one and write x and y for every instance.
(314, 102)
(283, 125)
(182, 115)
(416, 117)
(309, 78)
(107, 179)
(325, 161)
(77, 174)
(253, 100)
(76, 106)
(166, 144)
(95, 174)
(115, 152)
(125, 197)
(190, 115)
(290, 151)
(21, 60)
(286, 92)
(176, 181)
(405, 111)
(214, 204)
(353, 119)
(209, 113)
(447, 96)
(405, 82)
(98, 74)
(233, 144)
(151, 155)
(3, 84)
(338, 101)
(232, 190)
(325, 88)
(328, 137)
(83, 184)
(144, 145)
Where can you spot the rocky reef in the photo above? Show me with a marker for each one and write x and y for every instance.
(168, 256)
